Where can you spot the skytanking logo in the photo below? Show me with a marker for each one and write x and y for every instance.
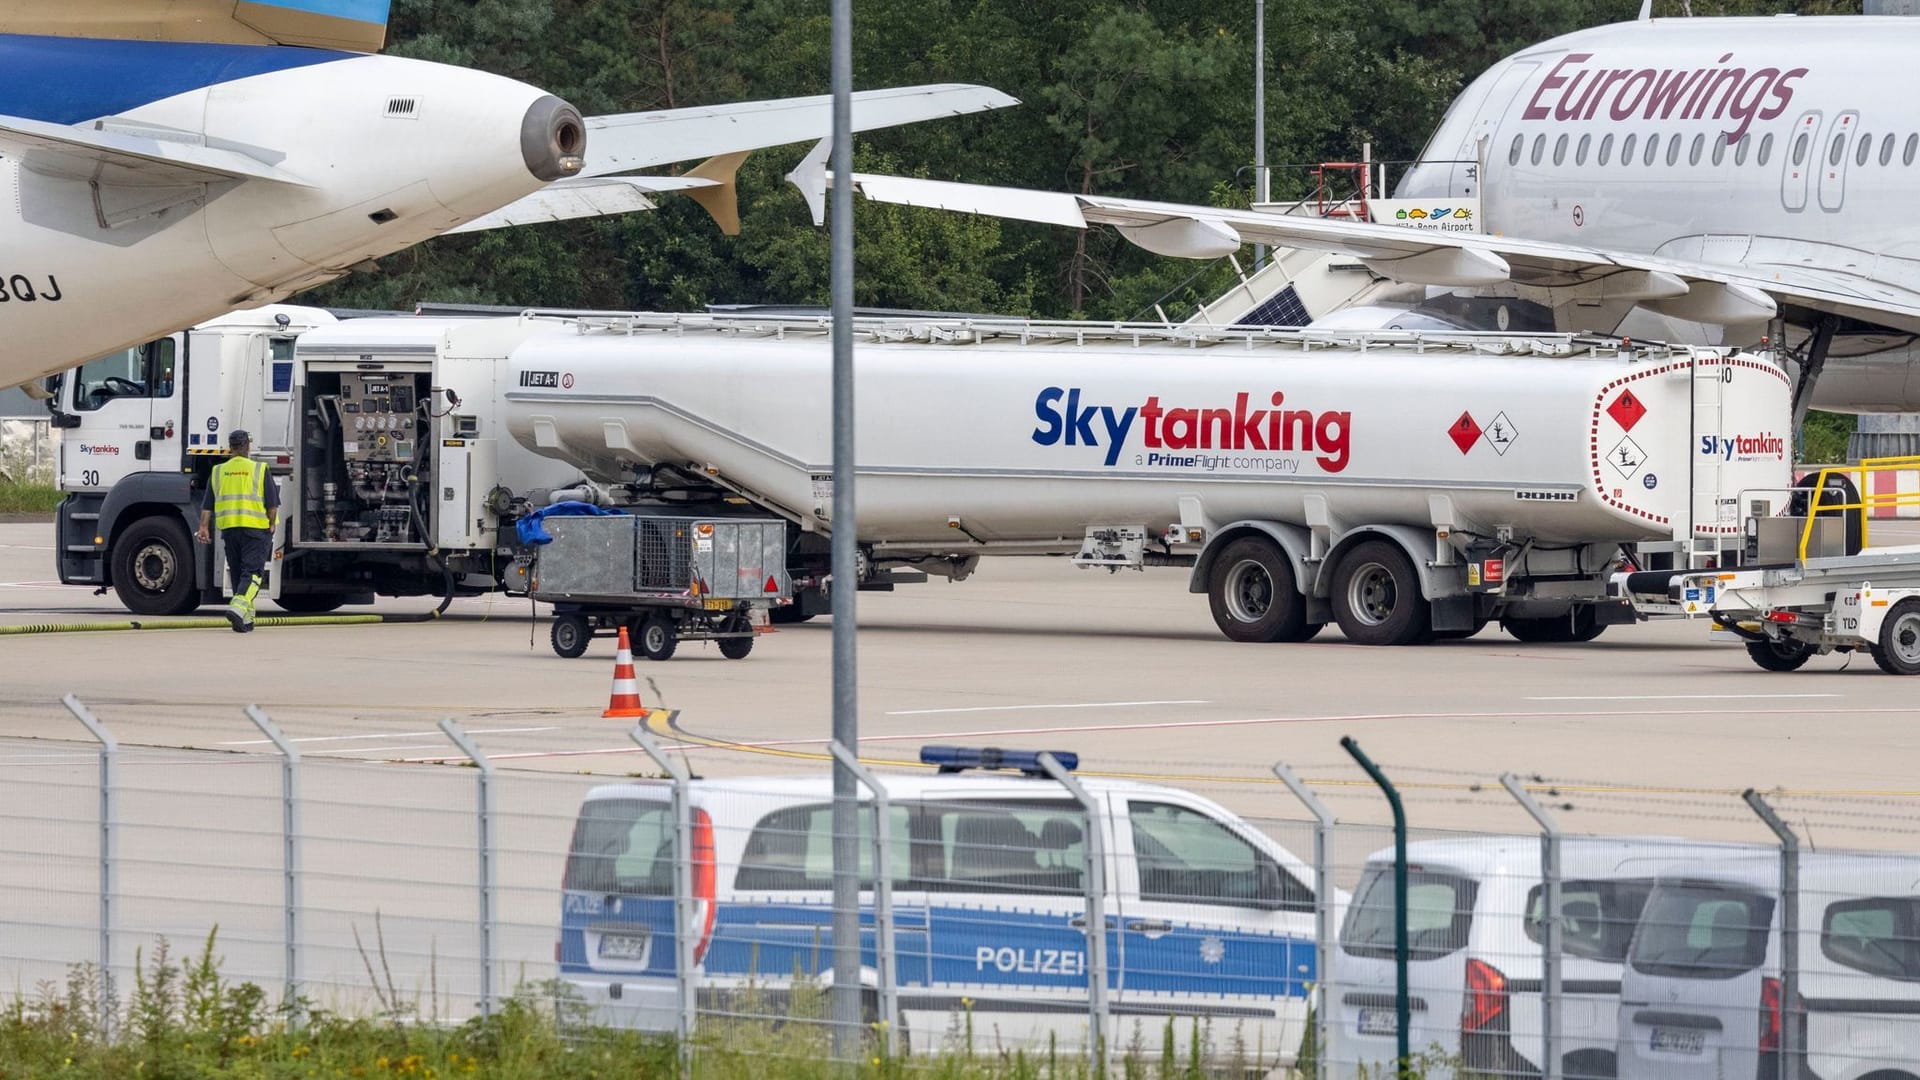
(1323, 434)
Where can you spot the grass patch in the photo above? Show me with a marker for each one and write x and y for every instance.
(17, 498)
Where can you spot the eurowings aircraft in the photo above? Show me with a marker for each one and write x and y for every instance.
(187, 157)
(1743, 174)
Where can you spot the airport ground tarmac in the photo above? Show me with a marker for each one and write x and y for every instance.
(1126, 669)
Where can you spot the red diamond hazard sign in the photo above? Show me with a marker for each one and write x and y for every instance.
(1626, 410)
(1464, 432)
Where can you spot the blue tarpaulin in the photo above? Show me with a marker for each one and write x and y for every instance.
(531, 531)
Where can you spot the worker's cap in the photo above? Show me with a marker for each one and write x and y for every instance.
(239, 437)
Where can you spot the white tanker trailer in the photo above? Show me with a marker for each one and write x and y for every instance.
(1405, 485)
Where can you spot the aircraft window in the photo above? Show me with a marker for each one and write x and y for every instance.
(1673, 150)
(1580, 155)
(1838, 150)
(1606, 149)
(1740, 149)
(1539, 147)
(1626, 150)
(1800, 149)
(1864, 151)
(1653, 149)
(1513, 155)
(1560, 150)
(1766, 149)
(1913, 143)
(1719, 148)
(1886, 149)
(1699, 144)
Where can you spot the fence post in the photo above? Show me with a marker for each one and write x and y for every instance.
(684, 931)
(467, 746)
(109, 871)
(289, 851)
(1323, 893)
(1552, 941)
(1402, 1003)
(1094, 923)
(884, 967)
(1790, 1049)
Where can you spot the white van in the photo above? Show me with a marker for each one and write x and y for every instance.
(1208, 917)
(1702, 994)
(1475, 934)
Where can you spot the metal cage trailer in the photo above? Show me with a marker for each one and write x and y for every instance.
(666, 579)
(1820, 585)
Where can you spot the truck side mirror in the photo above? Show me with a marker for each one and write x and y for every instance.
(65, 420)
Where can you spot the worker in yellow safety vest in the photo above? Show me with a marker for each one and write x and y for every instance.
(244, 503)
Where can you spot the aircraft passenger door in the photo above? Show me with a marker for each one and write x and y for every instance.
(1478, 149)
(1800, 157)
(127, 402)
(1833, 165)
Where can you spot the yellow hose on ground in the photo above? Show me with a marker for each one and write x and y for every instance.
(189, 624)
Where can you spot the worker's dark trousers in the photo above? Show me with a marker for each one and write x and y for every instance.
(247, 554)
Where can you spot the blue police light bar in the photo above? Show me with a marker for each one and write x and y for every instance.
(953, 759)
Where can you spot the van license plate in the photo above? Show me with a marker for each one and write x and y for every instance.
(1379, 1022)
(623, 946)
(1679, 1041)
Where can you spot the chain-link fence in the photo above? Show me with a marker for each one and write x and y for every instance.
(1070, 916)
(27, 450)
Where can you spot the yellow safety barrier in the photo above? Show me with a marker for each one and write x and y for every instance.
(1867, 502)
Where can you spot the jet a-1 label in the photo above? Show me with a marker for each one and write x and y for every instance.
(547, 379)
(29, 288)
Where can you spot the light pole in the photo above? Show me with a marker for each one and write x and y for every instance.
(1263, 187)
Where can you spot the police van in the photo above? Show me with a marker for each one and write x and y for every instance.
(1206, 916)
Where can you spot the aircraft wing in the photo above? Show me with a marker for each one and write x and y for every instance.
(630, 141)
(352, 25)
(1751, 290)
(126, 157)
(596, 196)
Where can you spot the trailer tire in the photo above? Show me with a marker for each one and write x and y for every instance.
(570, 636)
(1376, 596)
(153, 568)
(1898, 650)
(789, 615)
(657, 638)
(736, 648)
(1581, 625)
(1479, 624)
(1253, 594)
(1786, 655)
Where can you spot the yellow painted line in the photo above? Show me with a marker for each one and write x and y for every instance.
(666, 724)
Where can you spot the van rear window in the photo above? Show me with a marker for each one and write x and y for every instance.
(1597, 917)
(1701, 931)
(622, 846)
(1880, 936)
(1439, 915)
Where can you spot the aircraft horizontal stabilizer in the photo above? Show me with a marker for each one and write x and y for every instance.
(578, 197)
(626, 141)
(126, 158)
(352, 25)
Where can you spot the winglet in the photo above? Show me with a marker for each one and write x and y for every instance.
(1646, 10)
(810, 176)
(722, 199)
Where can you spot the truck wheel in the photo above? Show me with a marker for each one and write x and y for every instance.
(790, 615)
(1479, 624)
(153, 568)
(1898, 652)
(1376, 596)
(1578, 626)
(657, 638)
(1253, 595)
(570, 636)
(1786, 655)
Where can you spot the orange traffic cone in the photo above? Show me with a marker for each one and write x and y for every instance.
(626, 688)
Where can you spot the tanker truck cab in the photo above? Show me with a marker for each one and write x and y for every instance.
(143, 428)
(1206, 916)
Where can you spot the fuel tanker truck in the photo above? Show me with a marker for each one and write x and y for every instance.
(1406, 485)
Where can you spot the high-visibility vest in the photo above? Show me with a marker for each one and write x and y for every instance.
(240, 494)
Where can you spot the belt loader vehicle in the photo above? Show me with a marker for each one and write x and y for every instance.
(385, 436)
(1406, 485)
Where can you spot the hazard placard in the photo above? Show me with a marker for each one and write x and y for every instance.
(1626, 457)
(1626, 410)
(1500, 434)
(1464, 432)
